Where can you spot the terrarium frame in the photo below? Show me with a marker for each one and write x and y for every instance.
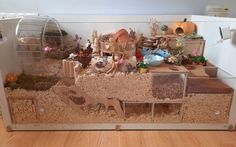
(41, 116)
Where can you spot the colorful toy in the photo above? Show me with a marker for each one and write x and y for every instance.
(143, 67)
(164, 29)
(184, 28)
(11, 77)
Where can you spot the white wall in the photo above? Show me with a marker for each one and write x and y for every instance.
(83, 25)
(222, 54)
(107, 7)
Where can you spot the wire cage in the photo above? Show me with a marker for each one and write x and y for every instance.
(35, 36)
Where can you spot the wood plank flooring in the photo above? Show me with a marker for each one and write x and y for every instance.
(116, 138)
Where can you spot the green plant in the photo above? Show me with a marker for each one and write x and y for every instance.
(202, 59)
(199, 59)
(143, 65)
(164, 28)
(195, 59)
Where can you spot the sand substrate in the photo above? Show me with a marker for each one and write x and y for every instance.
(47, 107)
(163, 113)
(50, 109)
(132, 87)
(207, 108)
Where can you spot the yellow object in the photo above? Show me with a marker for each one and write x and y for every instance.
(11, 77)
(179, 44)
(143, 70)
(184, 28)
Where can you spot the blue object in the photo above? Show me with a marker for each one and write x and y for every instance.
(145, 51)
(153, 60)
(164, 53)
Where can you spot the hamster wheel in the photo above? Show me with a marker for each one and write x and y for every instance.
(35, 36)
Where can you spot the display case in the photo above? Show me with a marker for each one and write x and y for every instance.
(151, 78)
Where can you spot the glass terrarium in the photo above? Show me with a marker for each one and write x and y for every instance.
(116, 74)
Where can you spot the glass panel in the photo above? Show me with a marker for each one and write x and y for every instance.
(168, 86)
(125, 71)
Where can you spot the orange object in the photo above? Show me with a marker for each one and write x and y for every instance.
(11, 77)
(143, 70)
(122, 36)
(184, 28)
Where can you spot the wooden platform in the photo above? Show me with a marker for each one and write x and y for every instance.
(206, 85)
(209, 70)
(167, 68)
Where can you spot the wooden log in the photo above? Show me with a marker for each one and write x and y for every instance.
(68, 68)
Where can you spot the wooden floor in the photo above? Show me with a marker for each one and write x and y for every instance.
(116, 138)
